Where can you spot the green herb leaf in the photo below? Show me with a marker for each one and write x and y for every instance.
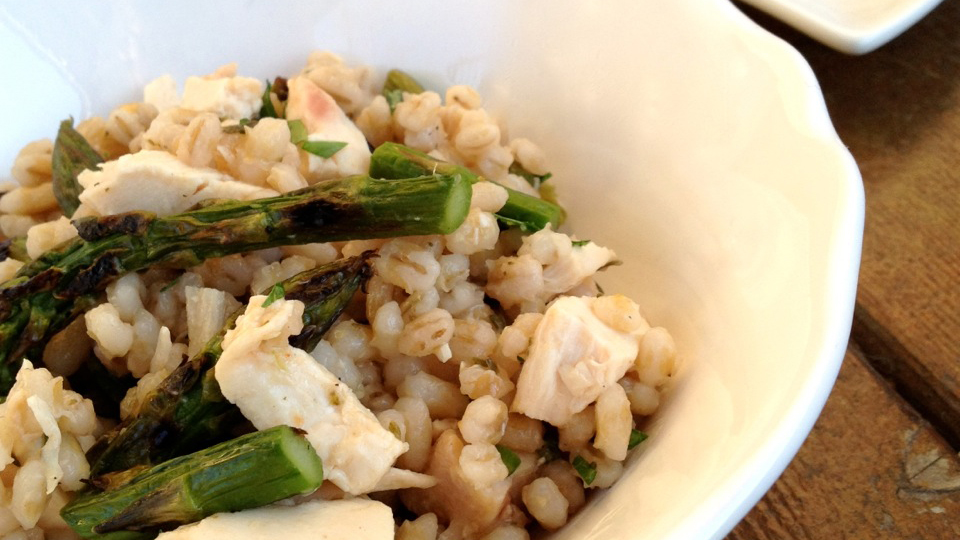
(521, 359)
(550, 450)
(276, 293)
(485, 363)
(580, 243)
(636, 437)
(239, 126)
(509, 458)
(393, 98)
(534, 180)
(298, 131)
(396, 84)
(267, 110)
(587, 470)
(515, 223)
(172, 284)
(323, 149)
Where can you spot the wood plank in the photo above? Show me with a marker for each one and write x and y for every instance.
(898, 109)
(871, 469)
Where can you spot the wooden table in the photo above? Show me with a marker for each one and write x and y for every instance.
(882, 461)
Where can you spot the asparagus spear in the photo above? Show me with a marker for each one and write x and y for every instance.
(249, 471)
(187, 411)
(14, 248)
(72, 154)
(392, 160)
(48, 292)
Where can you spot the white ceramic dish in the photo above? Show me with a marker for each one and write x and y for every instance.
(851, 26)
(689, 140)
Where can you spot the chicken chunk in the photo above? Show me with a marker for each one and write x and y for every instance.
(357, 519)
(573, 357)
(325, 121)
(564, 264)
(227, 97)
(172, 187)
(275, 384)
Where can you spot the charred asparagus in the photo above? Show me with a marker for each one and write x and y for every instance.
(250, 471)
(187, 411)
(48, 292)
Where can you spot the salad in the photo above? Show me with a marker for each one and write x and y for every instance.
(333, 301)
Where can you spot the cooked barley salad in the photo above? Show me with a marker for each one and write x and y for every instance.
(333, 301)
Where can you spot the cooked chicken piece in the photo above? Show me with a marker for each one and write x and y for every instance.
(156, 181)
(565, 265)
(573, 357)
(227, 97)
(275, 384)
(325, 121)
(356, 519)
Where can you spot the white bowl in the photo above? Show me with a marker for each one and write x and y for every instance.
(681, 135)
(851, 26)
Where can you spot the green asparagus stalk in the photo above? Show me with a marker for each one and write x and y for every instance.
(187, 411)
(14, 248)
(249, 471)
(394, 161)
(72, 155)
(49, 291)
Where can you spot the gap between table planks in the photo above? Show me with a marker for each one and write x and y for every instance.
(879, 462)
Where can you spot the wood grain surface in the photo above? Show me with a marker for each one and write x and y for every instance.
(871, 469)
(881, 461)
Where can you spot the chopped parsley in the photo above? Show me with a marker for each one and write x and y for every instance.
(636, 437)
(534, 179)
(300, 137)
(267, 110)
(586, 469)
(509, 458)
(276, 293)
(298, 131)
(323, 149)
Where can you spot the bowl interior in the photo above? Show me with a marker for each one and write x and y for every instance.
(682, 136)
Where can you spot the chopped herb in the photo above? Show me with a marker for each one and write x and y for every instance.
(298, 131)
(615, 262)
(395, 429)
(509, 458)
(550, 450)
(507, 223)
(393, 98)
(580, 243)
(300, 137)
(636, 437)
(239, 126)
(521, 359)
(534, 180)
(267, 110)
(587, 470)
(323, 149)
(485, 363)
(276, 293)
(172, 283)
(396, 84)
